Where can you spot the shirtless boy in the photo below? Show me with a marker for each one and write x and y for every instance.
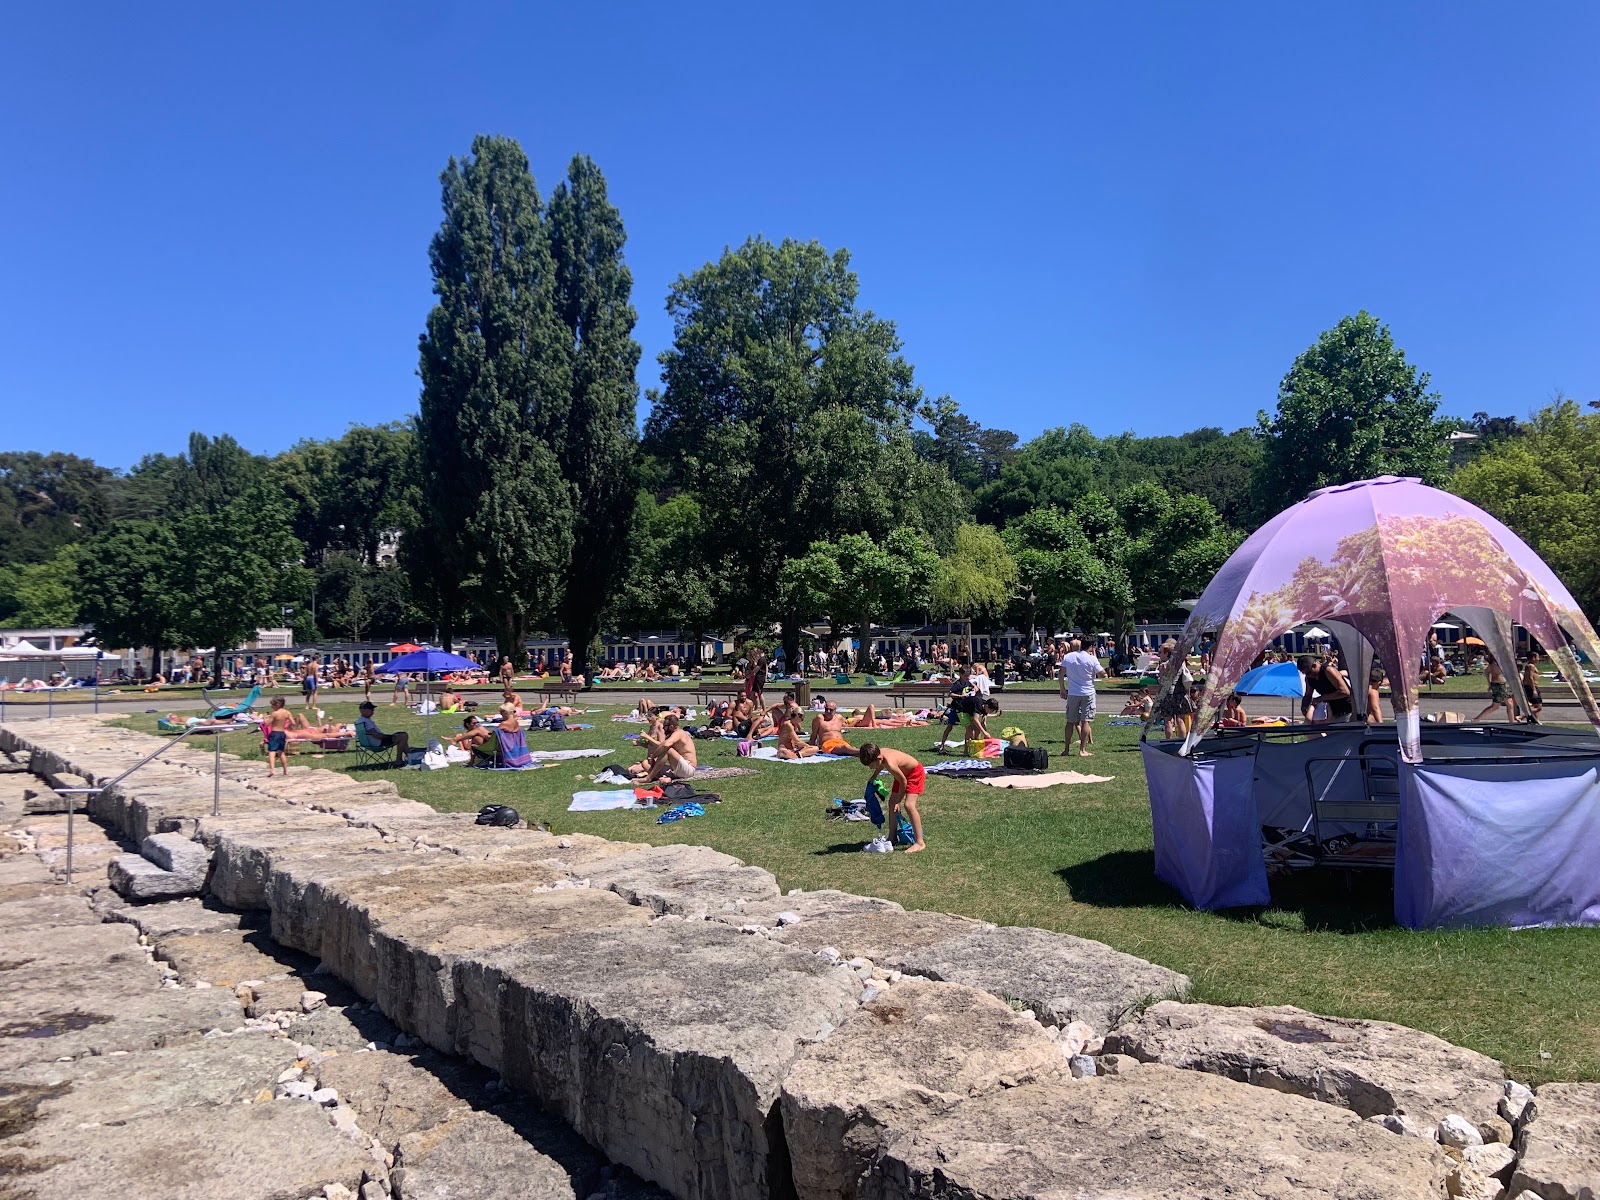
(279, 722)
(909, 781)
(789, 743)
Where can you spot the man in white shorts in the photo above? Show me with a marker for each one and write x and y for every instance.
(1079, 670)
(673, 757)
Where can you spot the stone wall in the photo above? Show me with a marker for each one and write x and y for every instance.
(726, 1041)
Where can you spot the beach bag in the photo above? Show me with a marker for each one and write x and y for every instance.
(498, 815)
(1026, 758)
(745, 747)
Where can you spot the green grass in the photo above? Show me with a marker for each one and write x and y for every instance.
(1078, 859)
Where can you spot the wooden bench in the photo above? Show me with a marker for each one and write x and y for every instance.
(923, 688)
(558, 688)
(735, 688)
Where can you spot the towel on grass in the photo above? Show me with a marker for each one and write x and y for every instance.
(770, 754)
(603, 799)
(960, 764)
(1049, 779)
(563, 755)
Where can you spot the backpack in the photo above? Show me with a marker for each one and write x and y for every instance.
(499, 815)
(1025, 758)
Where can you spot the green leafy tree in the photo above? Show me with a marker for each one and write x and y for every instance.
(1544, 482)
(858, 578)
(235, 567)
(495, 399)
(670, 584)
(34, 595)
(127, 588)
(1172, 546)
(1062, 579)
(782, 402)
(599, 452)
(977, 575)
(214, 473)
(373, 491)
(48, 501)
(1351, 407)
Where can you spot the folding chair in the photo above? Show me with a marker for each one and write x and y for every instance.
(371, 754)
(234, 710)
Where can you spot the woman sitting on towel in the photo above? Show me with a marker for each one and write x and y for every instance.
(472, 736)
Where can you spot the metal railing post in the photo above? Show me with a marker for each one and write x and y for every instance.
(216, 775)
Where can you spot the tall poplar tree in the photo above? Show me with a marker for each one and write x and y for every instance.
(495, 396)
(599, 453)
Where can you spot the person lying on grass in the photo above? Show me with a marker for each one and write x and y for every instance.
(671, 756)
(789, 743)
(871, 718)
(909, 781)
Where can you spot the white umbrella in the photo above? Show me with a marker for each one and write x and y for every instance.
(1316, 631)
(1444, 625)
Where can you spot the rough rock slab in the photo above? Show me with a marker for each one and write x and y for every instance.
(244, 859)
(104, 1088)
(481, 1156)
(686, 881)
(1154, 1133)
(393, 1095)
(137, 878)
(1561, 1155)
(877, 933)
(175, 918)
(1372, 1068)
(344, 1029)
(664, 1047)
(823, 905)
(178, 854)
(46, 912)
(917, 1050)
(161, 1017)
(1060, 977)
(270, 1151)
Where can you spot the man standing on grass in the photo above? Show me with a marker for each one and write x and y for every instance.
(278, 724)
(910, 780)
(1079, 669)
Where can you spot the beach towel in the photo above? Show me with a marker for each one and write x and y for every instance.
(601, 800)
(1050, 779)
(960, 764)
(770, 754)
(513, 750)
(564, 755)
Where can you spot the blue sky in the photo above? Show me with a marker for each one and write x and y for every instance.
(216, 216)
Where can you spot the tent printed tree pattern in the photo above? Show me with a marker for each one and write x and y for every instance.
(1386, 557)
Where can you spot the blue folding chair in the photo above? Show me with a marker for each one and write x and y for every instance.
(232, 710)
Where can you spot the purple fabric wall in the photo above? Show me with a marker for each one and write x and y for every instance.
(1207, 836)
(1512, 843)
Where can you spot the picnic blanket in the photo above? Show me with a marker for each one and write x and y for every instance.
(721, 772)
(1027, 779)
(960, 764)
(563, 755)
(770, 754)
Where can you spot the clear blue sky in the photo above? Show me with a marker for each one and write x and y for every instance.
(216, 216)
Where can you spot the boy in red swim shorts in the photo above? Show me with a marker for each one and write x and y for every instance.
(909, 782)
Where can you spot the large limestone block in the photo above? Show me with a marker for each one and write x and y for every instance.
(664, 1047)
(1372, 1068)
(269, 1151)
(574, 853)
(686, 881)
(178, 854)
(1153, 1134)
(174, 917)
(481, 1156)
(916, 1051)
(1060, 977)
(396, 939)
(47, 912)
(1561, 1154)
(137, 878)
(107, 1025)
(825, 905)
(111, 1088)
(60, 970)
(243, 860)
(393, 1095)
(878, 933)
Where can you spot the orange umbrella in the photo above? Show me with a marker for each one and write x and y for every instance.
(405, 647)
(1471, 641)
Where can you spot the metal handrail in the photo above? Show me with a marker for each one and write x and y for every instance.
(216, 775)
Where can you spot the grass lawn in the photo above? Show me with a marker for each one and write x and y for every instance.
(1078, 859)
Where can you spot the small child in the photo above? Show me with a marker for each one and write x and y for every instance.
(910, 780)
(278, 724)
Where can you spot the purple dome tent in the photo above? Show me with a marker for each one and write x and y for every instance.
(1384, 559)
(1480, 824)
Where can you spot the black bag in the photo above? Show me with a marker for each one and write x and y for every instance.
(499, 815)
(1025, 758)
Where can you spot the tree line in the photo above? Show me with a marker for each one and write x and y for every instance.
(790, 469)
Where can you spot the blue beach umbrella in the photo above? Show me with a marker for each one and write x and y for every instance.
(426, 660)
(1274, 679)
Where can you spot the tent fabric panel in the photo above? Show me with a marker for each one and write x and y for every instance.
(1207, 838)
(1512, 843)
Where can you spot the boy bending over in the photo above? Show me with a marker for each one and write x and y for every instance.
(909, 782)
